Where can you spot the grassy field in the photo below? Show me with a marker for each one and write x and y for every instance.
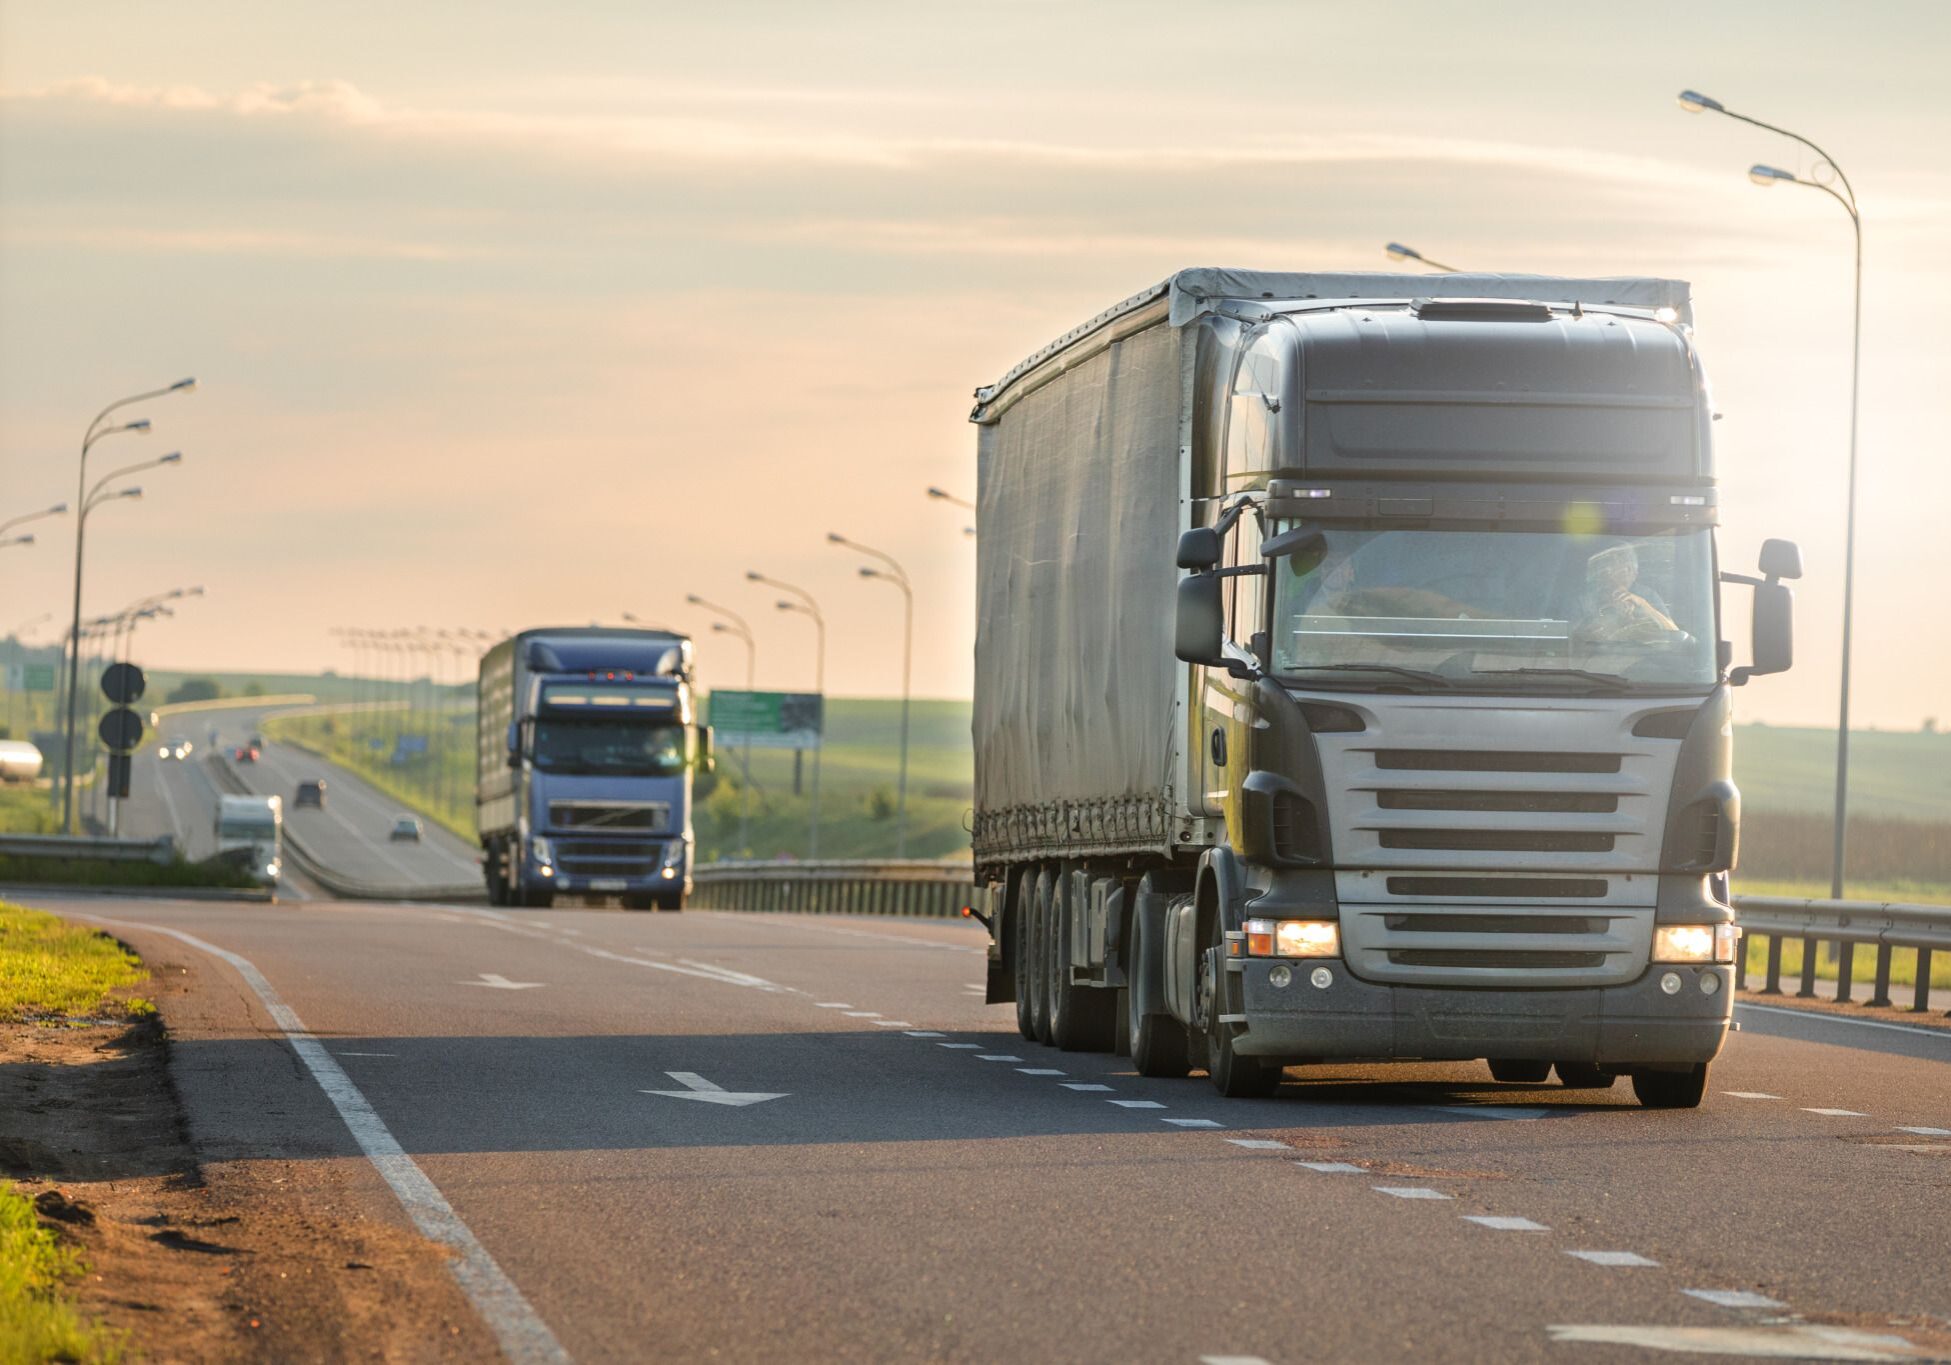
(1903, 964)
(52, 969)
(36, 1323)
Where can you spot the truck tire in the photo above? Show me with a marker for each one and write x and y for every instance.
(1234, 1076)
(1080, 1016)
(1519, 1072)
(669, 901)
(644, 900)
(1158, 1041)
(537, 900)
(1670, 1089)
(1583, 1076)
(1021, 957)
(1039, 966)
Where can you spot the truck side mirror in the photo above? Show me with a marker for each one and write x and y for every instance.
(514, 743)
(1199, 548)
(1773, 630)
(1200, 634)
(1780, 559)
(707, 761)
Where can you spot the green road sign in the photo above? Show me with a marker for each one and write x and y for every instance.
(765, 720)
(37, 677)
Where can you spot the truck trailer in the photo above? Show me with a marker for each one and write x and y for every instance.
(1352, 681)
(585, 751)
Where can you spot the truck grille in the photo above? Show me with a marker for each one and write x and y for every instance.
(1494, 761)
(1501, 888)
(654, 816)
(1479, 958)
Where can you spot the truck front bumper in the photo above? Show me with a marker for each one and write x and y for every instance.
(1634, 1023)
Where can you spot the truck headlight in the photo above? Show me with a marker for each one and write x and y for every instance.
(673, 862)
(1694, 942)
(539, 848)
(1293, 938)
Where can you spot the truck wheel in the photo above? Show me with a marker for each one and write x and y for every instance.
(1234, 1076)
(537, 900)
(640, 901)
(1670, 1089)
(1583, 1076)
(1040, 959)
(1516, 1072)
(1158, 1041)
(491, 873)
(1080, 1016)
(1021, 958)
(671, 901)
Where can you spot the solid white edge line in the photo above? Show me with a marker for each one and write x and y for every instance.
(523, 1336)
(1845, 1019)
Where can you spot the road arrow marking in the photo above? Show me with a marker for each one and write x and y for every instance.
(501, 983)
(696, 1087)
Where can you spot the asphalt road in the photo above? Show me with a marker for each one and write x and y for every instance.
(919, 1183)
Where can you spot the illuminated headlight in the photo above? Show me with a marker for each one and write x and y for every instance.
(673, 862)
(539, 848)
(1694, 942)
(1293, 938)
(272, 869)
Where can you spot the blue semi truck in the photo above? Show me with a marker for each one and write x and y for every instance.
(586, 746)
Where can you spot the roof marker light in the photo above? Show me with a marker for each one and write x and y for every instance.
(1312, 493)
(1667, 314)
(1688, 500)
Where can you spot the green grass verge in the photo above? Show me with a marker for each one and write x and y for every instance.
(211, 873)
(36, 1322)
(49, 967)
(1903, 964)
(25, 810)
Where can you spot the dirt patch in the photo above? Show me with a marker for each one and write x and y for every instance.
(233, 1261)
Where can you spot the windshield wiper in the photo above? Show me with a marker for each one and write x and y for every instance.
(1610, 680)
(1421, 675)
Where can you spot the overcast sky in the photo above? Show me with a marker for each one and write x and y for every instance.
(512, 314)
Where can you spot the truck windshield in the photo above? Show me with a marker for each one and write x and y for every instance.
(258, 829)
(609, 746)
(1498, 610)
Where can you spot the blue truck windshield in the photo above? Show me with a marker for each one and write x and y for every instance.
(609, 746)
(1498, 610)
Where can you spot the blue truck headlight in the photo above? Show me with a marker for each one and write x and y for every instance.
(539, 849)
(673, 863)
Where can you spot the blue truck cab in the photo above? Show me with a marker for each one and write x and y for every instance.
(586, 745)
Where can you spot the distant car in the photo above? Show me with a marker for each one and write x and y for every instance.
(406, 827)
(245, 753)
(182, 748)
(311, 792)
(257, 742)
(165, 753)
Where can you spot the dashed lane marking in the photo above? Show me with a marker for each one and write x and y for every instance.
(1924, 1132)
(894, 1023)
(996, 1057)
(1136, 1104)
(1483, 1111)
(1077, 1085)
(1501, 1223)
(1836, 1113)
(833, 1005)
(1618, 1260)
(1411, 1192)
(1195, 1123)
(1039, 1071)
(1259, 1144)
(931, 1033)
(1332, 1167)
(1734, 1298)
(1231, 1360)
(1751, 1094)
(365, 1054)
(863, 1014)
(522, 1334)
(1797, 1341)
(960, 1046)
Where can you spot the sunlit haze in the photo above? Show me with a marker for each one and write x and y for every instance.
(505, 315)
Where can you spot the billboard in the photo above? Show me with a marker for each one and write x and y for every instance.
(766, 720)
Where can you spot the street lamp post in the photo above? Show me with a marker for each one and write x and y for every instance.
(735, 626)
(804, 604)
(898, 576)
(1766, 176)
(94, 433)
(1396, 251)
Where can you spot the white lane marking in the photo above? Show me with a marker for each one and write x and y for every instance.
(1616, 1259)
(996, 1057)
(1136, 1104)
(1500, 1223)
(1039, 1071)
(1836, 1113)
(1259, 1144)
(498, 982)
(1082, 1085)
(833, 1005)
(959, 1045)
(1734, 1298)
(1924, 1132)
(1844, 1019)
(1194, 1123)
(863, 1014)
(704, 971)
(696, 1087)
(1332, 1167)
(928, 1033)
(1483, 1111)
(365, 1054)
(798, 922)
(1231, 1360)
(523, 1336)
(1411, 1192)
(1798, 1341)
(894, 1023)
(1751, 1094)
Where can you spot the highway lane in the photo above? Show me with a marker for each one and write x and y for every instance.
(927, 1185)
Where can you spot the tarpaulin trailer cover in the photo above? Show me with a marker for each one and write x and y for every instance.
(1083, 468)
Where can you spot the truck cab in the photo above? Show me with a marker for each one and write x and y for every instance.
(250, 831)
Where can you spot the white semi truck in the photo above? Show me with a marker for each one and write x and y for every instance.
(1352, 680)
(250, 829)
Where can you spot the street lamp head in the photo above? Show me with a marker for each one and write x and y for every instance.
(835, 538)
(969, 531)
(720, 626)
(1694, 102)
(174, 457)
(754, 576)
(182, 386)
(58, 509)
(140, 424)
(1768, 175)
(1396, 251)
(941, 493)
(135, 492)
(866, 572)
(694, 599)
(17, 540)
(787, 606)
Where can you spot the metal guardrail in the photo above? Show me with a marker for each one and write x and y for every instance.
(912, 887)
(88, 848)
(1887, 925)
